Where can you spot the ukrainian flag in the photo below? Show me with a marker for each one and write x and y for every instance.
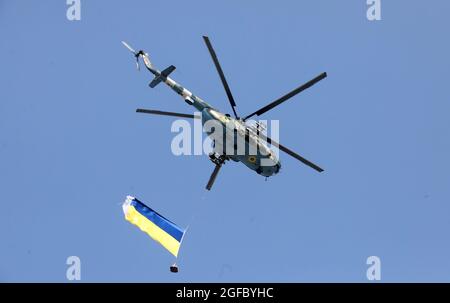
(156, 226)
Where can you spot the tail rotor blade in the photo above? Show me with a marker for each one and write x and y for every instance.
(213, 177)
(129, 47)
(137, 64)
(136, 54)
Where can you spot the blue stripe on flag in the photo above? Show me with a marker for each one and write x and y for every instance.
(163, 223)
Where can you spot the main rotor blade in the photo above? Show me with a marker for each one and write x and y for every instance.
(158, 112)
(213, 177)
(288, 96)
(221, 74)
(291, 153)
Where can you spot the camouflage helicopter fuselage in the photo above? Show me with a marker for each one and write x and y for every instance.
(254, 153)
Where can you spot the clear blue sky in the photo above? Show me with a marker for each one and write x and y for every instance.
(72, 147)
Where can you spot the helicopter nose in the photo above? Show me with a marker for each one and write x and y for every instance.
(277, 168)
(268, 171)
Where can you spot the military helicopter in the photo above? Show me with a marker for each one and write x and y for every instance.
(251, 135)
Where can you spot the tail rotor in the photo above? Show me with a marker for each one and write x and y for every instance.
(135, 53)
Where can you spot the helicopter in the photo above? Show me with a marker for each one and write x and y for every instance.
(264, 161)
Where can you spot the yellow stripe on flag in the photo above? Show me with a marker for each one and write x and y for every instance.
(156, 233)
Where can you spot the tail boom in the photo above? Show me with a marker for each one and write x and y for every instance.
(163, 76)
